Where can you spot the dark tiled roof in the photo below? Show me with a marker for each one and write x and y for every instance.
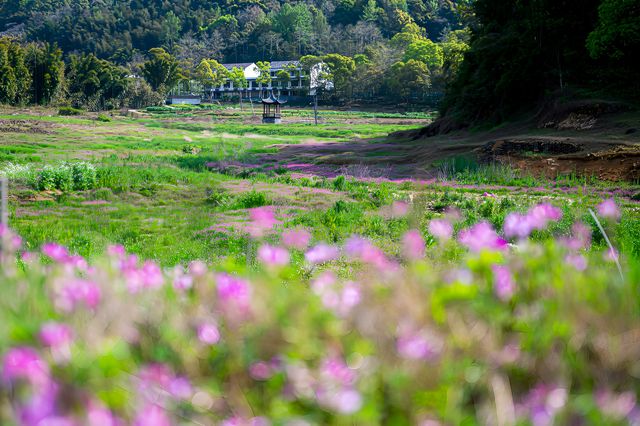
(275, 65)
(242, 65)
(273, 100)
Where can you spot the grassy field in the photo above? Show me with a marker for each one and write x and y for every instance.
(156, 194)
(291, 275)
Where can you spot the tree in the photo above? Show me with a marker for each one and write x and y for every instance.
(171, 29)
(15, 78)
(162, 71)
(236, 75)
(341, 70)
(264, 78)
(617, 35)
(210, 73)
(44, 61)
(94, 83)
(409, 78)
(425, 51)
(454, 45)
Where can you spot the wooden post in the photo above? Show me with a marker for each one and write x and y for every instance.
(4, 214)
(315, 106)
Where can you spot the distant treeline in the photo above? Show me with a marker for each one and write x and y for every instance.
(225, 30)
(404, 68)
(522, 52)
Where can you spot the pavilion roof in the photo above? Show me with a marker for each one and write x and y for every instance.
(272, 99)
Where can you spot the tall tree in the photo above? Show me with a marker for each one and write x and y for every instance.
(210, 73)
(236, 75)
(15, 77)
(44, 61)
(162, 71)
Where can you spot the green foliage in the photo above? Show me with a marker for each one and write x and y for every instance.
(66, 177)
(425, 51)
(15, 77)
(95, 83)
(211, 73)
(103, 118)
(162, 71)
(47, 67)
(543, 44)
(68, 110)
(264, 67)
(251, 199)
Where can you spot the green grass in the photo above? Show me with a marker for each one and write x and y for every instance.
(155, 194)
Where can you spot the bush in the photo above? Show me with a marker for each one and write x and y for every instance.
(191, 149)
(67, 110)
(251, 199)
(66, 177)
(103, 118)
(84, 176)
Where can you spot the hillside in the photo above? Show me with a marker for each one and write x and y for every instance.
(232, 31)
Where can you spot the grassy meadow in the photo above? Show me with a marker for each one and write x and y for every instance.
(179, 268)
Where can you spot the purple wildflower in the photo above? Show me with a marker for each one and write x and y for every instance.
(441, 229)
(26, 364)
(273, 256)
(413, 245)
(152, 415)
(503, 284)
(480, 237)
(399, 209)
(260, 370)
(208, 333)
(609, 209)
(197, 268)
(578, 261)
(296, 238)
(56, 252)
(417, 345)
(54, 335)
(321, 253)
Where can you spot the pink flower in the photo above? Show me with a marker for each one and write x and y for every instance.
(25, 363)
(240, 421)
(151, 275)
(273, 256)
(53, 334)
(540, 215)
(348, 401)
(417, 345)
(152, 415)
(233, 290)
(56, 252)
(323, 282)
(78, 291)
(441, 229)
(181, 281)
(116, 251)
(296, 238)
(517, 225)
(480, 237)
(260, 370)
(399, 209)
(97, 415)
(503, 284)
(360, 248)
(197, 268)
(609, 209)
(262, 219)
(581, 237)
(578, 261)
(335, 370)
(349, 298)
(413, 245)
(180, 388)
(615, 405)
(208, 333)
(489, 194)
(321, 253)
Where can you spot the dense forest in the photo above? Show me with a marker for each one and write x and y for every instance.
(228, 30)
(495, 58)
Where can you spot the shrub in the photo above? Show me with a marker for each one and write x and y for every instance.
(67, 110)
(66, 177)
(340, 183)
(217, 197)
(84, 176)
(251, 199)
(103, 118)
(191, 149)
